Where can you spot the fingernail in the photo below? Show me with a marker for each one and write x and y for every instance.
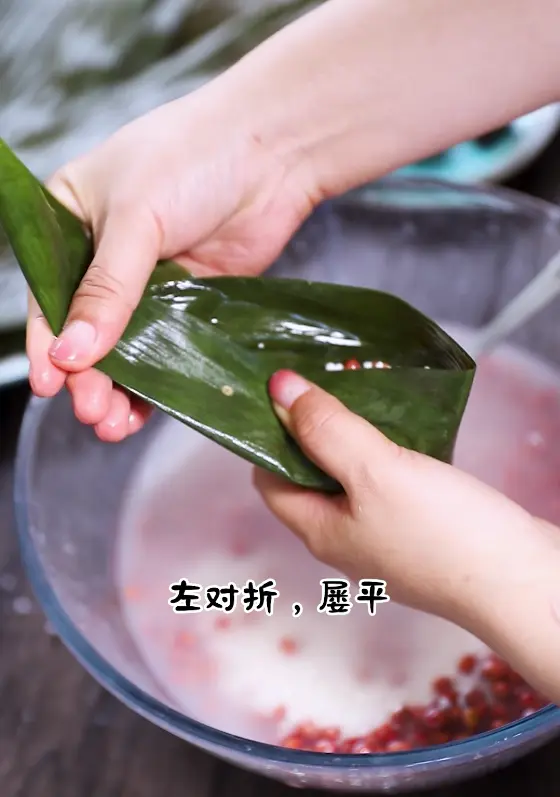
(286, 387)
(134, 422)
(75, 342)
(283, 415)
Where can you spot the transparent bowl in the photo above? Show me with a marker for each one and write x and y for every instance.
(456, 253)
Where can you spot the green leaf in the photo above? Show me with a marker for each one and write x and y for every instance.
(202, 350)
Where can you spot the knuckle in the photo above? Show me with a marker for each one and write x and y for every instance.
(59, 177)
(99, 285)
(315, 419)
(65, 185)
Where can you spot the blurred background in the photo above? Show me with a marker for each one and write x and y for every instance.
(73, 71)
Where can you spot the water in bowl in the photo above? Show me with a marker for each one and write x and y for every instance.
(192, 513)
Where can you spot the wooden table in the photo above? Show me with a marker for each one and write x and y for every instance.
(61, 735)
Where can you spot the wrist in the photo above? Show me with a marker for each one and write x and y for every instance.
(271, 156)
(353, 90)
(278, 101)
(513, 606)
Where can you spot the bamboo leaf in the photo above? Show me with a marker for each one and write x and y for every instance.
(202, 350)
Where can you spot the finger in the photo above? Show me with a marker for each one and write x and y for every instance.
(341, 443)
(63, 184)
(45, 378)
(91, 393)
(114, 427)
(140, 413)
(313, 517)
(113, 285)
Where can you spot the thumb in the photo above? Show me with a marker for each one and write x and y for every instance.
(127, 252)
(341, 443)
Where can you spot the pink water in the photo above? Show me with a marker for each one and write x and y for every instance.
(192, 513)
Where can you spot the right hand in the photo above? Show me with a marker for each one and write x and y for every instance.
(440, 538)
(444, 542)
(191, 181)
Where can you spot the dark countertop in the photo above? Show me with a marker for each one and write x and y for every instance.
(62, 735)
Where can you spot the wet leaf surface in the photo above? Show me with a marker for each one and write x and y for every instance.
(203, 350)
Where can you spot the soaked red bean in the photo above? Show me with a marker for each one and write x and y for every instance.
(497, 696)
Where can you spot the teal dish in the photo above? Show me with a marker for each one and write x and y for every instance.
(495, 156)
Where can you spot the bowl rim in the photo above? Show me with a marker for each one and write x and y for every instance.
(178, 723)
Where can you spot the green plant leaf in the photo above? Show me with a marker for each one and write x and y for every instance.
(203, 350)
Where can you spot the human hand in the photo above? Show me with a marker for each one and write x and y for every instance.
(220, 179)
(442, 540)
(192, 181)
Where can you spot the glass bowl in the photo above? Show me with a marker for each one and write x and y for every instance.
(458, 254)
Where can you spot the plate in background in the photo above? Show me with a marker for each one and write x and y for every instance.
(496, 156)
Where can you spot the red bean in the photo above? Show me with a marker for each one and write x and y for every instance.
(494, 669)
(445, 687)
(467, 664)
(398, 747)
(434, 716)
(288, 646)
(497, 695)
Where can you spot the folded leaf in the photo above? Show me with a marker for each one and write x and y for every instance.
(203, 350)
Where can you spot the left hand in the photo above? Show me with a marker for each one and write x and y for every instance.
(191, 180)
